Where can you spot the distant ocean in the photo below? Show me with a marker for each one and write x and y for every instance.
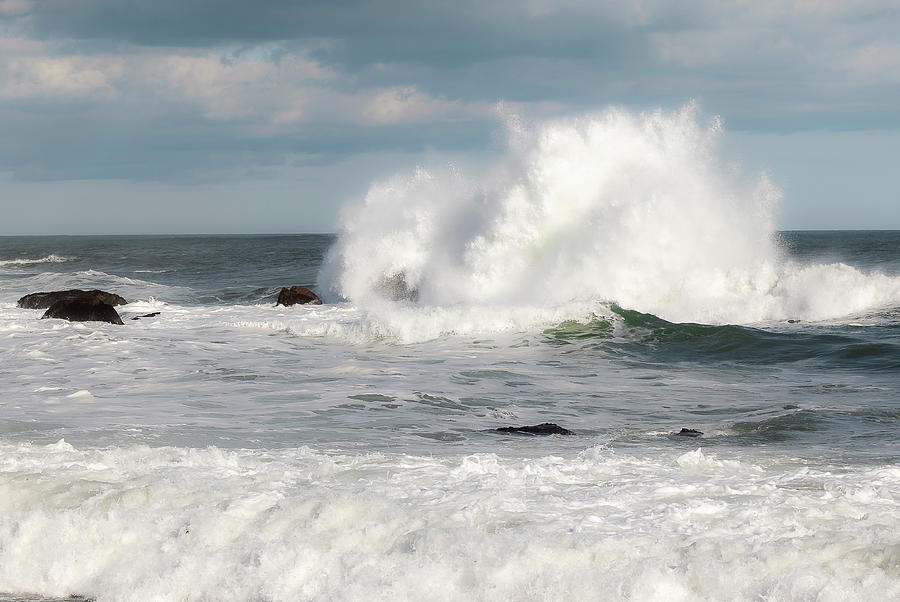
(229, 449)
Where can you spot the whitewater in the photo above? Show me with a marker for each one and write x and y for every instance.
(613, 273)
(639, 211)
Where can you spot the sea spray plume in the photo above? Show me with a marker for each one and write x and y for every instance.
(636, 209)
(631, 208)
(610, 206)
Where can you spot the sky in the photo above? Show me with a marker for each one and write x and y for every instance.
(266, 116)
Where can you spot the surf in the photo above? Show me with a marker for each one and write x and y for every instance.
(637, 209)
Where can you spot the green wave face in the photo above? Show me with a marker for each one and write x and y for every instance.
(647, 337)
(573, 331)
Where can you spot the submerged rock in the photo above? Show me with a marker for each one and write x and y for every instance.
(689, 433)
(297, 295)
(45, 300)
(547, 428)
(83, 309)
(150, 315)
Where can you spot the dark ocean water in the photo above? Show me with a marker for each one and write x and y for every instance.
(213, 269)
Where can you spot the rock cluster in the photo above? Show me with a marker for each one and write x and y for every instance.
(689, 433)
(77, 305)
(547, 428)
(83, 309)
(45, 300)
(297, 295)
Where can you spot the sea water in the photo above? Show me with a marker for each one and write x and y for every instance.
(612, 275)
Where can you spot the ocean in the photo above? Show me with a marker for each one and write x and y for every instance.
(232, 449)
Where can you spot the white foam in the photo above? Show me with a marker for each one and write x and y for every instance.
(701, 462)
(636, 209)
(138, 523)
(52, 258)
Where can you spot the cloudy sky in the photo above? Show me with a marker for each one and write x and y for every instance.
(137, 116)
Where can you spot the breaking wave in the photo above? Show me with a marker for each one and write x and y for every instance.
(638, 210)
(52, 258)
(173, 523)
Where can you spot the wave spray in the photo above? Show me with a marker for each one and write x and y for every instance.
(634, 209)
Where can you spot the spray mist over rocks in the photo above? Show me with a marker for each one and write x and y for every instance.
(636, 209)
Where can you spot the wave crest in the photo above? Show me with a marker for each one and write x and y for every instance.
(635, 209)
(52, 258)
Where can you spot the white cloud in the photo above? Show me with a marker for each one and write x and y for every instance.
(230, 89)
(12, 8)
(62, 78)
(403, 105)
(817, 48)
(881, 60)
(220, 88)
(248, 88)
(12, 45)
(224, 88)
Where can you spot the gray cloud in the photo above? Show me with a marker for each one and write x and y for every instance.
(790, 59)
(130, 139)
(387, 29)
(205, 90)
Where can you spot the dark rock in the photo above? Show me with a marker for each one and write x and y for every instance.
(45, 300)
(83, 309)
(395, 288)
(547, 428)
(297, 295)
(689, 433)
(153, 315)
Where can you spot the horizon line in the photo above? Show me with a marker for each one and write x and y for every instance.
(322, 233)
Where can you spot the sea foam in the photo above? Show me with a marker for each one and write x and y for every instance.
(634, 209)
(52, 258)
(169, 523)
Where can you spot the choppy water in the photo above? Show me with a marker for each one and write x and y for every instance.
(231, 449)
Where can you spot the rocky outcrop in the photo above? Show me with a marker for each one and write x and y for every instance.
(689, 433)
(547, 428)
(395, 288)
(83, 309)
(45, 300)
(297, 295)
